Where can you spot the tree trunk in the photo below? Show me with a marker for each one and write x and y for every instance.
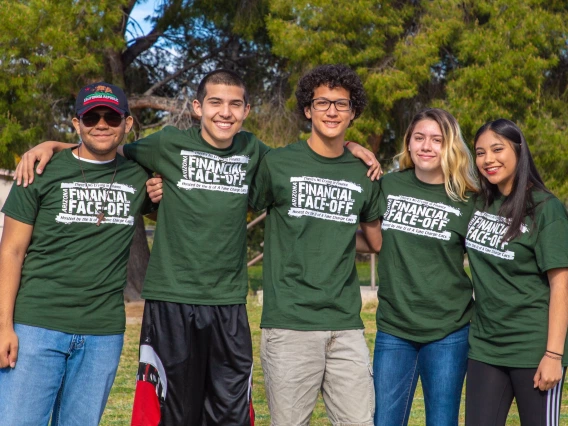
(137, 263)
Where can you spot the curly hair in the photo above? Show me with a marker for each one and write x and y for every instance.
(331, 76)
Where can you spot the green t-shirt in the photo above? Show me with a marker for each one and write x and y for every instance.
(510, 324)
(424, 292)
(314, 207)
(199, 251)
(74, 271)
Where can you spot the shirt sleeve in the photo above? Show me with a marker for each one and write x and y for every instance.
(263, 148)
(260, 195)
(382, 200)
(22, 203)
(146, 151)
(552, 243)
(371, 209)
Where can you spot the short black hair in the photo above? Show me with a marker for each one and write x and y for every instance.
(221, 76)
(331, 76)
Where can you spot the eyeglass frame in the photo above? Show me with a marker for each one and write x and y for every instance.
(330, 103)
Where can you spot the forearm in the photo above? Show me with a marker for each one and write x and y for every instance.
(11, 267)
(58, 146)
(558, 310)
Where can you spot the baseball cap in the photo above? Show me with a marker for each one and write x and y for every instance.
(101, 94)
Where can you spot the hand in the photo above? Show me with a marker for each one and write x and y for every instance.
(368, 158)
(154, 188)
(8, 348)
(25, 169)
(548, 374)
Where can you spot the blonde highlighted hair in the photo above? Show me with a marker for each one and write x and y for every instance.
(457, 162)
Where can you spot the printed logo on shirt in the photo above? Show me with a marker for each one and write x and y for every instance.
(202, 170)
(82, 202)
(485, 232)
(419, 217)
(323, 199)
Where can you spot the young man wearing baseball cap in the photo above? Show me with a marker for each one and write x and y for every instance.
(63, 259)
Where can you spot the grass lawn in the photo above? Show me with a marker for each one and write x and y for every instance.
(119, 406)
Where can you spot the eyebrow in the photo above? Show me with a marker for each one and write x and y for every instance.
(424, 134)
(231, 100)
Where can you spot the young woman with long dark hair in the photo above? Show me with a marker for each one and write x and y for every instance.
(517, 242)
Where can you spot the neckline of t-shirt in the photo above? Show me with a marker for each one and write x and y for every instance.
(86, 160)
(433, 186)
(321, 158)
(214, 148)
(88, 165)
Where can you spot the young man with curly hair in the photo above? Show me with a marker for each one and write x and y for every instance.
(317, 194)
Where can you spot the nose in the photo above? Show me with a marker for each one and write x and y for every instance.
(488, 158)
(426, 145)
(225, 110)
(102, 122)
(332, 111)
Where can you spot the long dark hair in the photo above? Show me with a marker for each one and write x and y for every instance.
(519, 202)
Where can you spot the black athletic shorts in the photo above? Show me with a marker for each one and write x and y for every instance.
(195, 366)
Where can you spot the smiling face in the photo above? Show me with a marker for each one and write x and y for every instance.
(425, 146)
(222, 113)
(496, 160)
(99, 142)
(329, 125)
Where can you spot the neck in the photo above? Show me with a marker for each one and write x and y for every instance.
(215, 143)
(327, 147)
(431, 177)
(83, 152)
(505, 189)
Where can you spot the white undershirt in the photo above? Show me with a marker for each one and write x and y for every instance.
(91, 161)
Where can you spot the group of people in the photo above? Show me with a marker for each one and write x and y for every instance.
(65, 246)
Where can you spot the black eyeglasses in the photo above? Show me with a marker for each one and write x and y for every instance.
(91, 119)
(323, 104)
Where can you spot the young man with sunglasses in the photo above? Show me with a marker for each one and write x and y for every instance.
(195, 345)
(317, 194)
(63, 257)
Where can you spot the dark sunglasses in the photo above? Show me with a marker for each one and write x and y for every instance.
(91, 119)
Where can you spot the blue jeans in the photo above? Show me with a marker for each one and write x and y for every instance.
(65, 376)
(441, 366)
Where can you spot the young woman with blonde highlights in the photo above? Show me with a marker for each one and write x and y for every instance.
(425, 295)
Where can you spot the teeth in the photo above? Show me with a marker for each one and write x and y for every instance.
(223, 125)
(492, 169)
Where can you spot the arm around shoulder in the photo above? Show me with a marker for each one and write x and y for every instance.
(41, 153)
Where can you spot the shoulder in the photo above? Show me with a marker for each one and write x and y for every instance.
(293, 149)
(548, 206)
(396, 177)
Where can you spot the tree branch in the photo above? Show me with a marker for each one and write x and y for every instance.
(175, 106)
(140, 45)
(183, 69)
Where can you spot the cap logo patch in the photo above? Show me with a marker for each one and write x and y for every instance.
(101, 96)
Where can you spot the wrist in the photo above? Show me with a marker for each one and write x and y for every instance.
(554, 357)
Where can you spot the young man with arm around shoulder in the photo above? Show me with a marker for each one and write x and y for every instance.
(63, 259)
(317, 193)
